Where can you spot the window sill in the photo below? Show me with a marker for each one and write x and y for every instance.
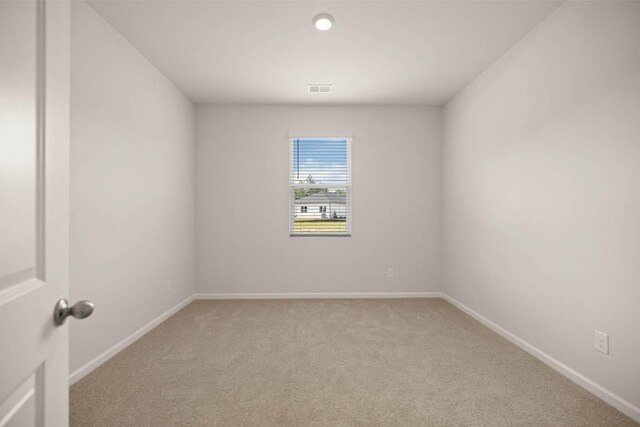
(319, 235)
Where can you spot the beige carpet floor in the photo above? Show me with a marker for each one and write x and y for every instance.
(409, 362)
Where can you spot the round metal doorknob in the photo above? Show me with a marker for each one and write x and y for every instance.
(79, 310)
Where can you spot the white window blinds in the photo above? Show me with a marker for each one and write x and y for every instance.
(320, 187)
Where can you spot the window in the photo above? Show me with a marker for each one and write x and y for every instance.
(320, 187)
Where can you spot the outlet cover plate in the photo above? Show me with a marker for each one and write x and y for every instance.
(601, 342)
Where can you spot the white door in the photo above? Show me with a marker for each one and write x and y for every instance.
(34, 164)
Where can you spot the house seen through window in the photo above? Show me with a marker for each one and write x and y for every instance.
(320, 187)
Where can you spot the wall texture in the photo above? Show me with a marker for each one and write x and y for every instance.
(132, 188)
(541, 200)
(242, 195)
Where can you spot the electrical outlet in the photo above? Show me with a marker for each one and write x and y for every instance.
(601, 342)
(390, 272)
(169, 285)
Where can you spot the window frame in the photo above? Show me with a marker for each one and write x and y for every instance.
(347, 187)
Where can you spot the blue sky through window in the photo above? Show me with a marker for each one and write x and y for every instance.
(322, 159)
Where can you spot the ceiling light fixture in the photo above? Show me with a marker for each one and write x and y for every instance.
(323, 21)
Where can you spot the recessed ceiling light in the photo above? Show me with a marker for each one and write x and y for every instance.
(323, 21)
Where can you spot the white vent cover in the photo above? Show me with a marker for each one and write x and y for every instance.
(317, 88)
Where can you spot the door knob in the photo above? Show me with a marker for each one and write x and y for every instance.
(79, 310)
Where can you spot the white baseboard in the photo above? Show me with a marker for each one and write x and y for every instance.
(344, 295)
(103, 357)
(608, 396)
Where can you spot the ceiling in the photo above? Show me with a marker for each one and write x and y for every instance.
(378, 52)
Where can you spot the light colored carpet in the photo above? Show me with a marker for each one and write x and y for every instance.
(409, 362)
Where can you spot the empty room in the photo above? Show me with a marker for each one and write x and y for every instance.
(319, 213)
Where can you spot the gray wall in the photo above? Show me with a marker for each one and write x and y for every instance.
(132, 188)
(242, 195)
(541, 200)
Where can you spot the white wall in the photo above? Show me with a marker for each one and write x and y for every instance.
(541, 198)
(132, 188)
(242, 195)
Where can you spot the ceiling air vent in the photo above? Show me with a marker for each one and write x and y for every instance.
(320, 88)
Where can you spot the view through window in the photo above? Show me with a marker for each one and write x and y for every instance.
(320, 187)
